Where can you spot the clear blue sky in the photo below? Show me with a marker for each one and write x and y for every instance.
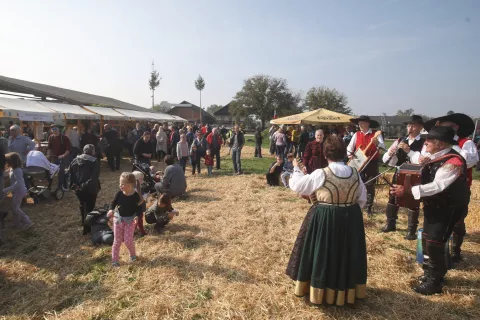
(384, 55)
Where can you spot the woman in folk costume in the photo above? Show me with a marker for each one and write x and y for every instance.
(396, 156)
(463, 126)
(445, 194)
(329, 258)
(313, 157)
(361, 139)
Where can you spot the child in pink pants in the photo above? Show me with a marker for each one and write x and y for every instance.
(125, 209)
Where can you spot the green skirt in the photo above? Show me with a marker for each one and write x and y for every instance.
(329, 259)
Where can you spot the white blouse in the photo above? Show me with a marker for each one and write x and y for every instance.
(444, 177)
(306, 184)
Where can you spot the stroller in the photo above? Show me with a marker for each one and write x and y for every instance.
(148, 185)
(39, 167)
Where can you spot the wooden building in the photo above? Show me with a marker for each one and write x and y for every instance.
(191, 113)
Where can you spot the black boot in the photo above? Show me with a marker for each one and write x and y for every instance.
(412, 224)
(457, 243)
(391, 213)
(437, 268)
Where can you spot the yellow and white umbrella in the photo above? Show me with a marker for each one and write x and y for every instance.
(318, 116)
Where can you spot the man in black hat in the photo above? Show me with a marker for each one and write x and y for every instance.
(397, 154)
(444, 193)
(361, 139)
(463, 126)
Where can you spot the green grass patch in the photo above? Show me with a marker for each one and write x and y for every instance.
(249, 165)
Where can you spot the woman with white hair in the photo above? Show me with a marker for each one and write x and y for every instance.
(85, 181)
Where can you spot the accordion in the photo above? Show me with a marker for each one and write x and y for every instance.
(409, 175)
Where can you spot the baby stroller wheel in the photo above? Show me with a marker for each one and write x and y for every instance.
(59, 194)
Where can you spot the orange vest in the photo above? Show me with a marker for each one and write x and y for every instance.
(363, 140)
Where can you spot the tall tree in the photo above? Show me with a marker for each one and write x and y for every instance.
(154, 82)
(405, 113)
(450, 112)
(164, 107)
(213, 108)
(263, 96)
(200, 85)
(326, 98)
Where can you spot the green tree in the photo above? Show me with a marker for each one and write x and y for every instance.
(405, 113)
(262, 96)
(164, 107)
(450, 112)
(326, 98)
(200, 85)
(154, 82)
(213, 108)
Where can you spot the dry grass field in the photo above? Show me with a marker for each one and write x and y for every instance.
(223, 257)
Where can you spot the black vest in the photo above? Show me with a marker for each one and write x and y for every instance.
(456, 194)
(416, 145)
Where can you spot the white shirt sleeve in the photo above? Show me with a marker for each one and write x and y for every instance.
(468, 152)
(444, 177)
(306, 184)
(351, 145)
(394, 159)
(415, 155)
(381, 142)
(362, 199)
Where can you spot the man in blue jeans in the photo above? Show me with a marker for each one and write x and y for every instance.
(237, 141)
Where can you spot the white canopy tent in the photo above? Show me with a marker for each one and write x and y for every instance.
(27, 110)
(140, 115)
(107, 113)
(71, 111)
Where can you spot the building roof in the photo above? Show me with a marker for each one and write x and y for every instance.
(223, 111)
(186, 104)
(61, 94)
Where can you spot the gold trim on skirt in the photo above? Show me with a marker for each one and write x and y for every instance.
(330, 296)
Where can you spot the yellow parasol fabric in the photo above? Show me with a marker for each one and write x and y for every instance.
(314, 117)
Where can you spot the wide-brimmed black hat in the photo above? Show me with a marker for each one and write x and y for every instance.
(414, 119)
(445, 134)
(373, 123)
(466, 126)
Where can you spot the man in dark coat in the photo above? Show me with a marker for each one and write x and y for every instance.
(143, 149)
(113, 148)
(85, 181)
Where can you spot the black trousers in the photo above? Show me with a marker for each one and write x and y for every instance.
(113, 159)
(273, 179)
(438, 222)
(87, 204)
(370, 171)
(196, 165)
(216, 155)
(459, 227)
(391, 198)
(258, 149)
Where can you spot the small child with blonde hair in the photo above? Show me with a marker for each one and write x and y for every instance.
(124, 209)
(209, 162)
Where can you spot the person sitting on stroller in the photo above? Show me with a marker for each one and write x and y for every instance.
(161, 212)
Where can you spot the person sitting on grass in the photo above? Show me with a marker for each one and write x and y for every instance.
(287, 169)
(173, 182)
(163, 212)
(273, 174)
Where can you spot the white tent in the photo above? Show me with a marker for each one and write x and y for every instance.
(107, 113)
(71, 111)
(27, 110)
(140, 115)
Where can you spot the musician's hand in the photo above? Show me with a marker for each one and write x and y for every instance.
(350, 156)
(404, 146)
(295, 162)
(391, 152)
(375, 140)
(397, 190)
(304, 170)
(422, 159)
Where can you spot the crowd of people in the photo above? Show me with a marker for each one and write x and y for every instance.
(329, 259)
